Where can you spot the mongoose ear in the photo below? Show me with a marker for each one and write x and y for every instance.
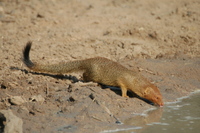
(147, 90)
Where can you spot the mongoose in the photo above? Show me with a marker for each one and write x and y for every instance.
(103, 71)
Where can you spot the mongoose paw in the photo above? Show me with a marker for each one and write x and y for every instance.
(125, 96)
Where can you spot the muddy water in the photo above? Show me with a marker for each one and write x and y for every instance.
(182, 116)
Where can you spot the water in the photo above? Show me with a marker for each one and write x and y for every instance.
(182, 116)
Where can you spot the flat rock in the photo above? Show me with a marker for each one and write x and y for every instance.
(17, 100)
(37, 98)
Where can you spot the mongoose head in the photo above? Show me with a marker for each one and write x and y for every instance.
(153, 94)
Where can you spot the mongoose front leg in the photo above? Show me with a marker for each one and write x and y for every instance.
(123, 88)
(124, 91)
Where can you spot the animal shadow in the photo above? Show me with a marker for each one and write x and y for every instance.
(117, 90)
(69, 77)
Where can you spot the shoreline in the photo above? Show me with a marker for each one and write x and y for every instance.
(184, 97)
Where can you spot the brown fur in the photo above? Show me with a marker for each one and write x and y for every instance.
(104, 71)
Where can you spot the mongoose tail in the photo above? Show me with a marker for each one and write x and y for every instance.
(26, 58)
(51, 68)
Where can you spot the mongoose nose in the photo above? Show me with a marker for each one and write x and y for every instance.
(161, 105)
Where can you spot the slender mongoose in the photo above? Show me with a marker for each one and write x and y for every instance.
(104, 71)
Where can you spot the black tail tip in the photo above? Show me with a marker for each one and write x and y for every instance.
(28, 44)
(27, 47)
(26, 58)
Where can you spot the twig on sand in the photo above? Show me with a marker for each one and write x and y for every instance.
(47, 89)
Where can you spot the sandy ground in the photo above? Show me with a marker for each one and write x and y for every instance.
(159, 38)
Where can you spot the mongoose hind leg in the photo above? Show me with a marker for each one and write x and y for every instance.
(87, 77)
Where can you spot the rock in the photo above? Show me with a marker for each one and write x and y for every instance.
(37, 98)
(17, 100)
(13, 124)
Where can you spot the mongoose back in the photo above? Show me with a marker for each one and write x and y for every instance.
(104, 71)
